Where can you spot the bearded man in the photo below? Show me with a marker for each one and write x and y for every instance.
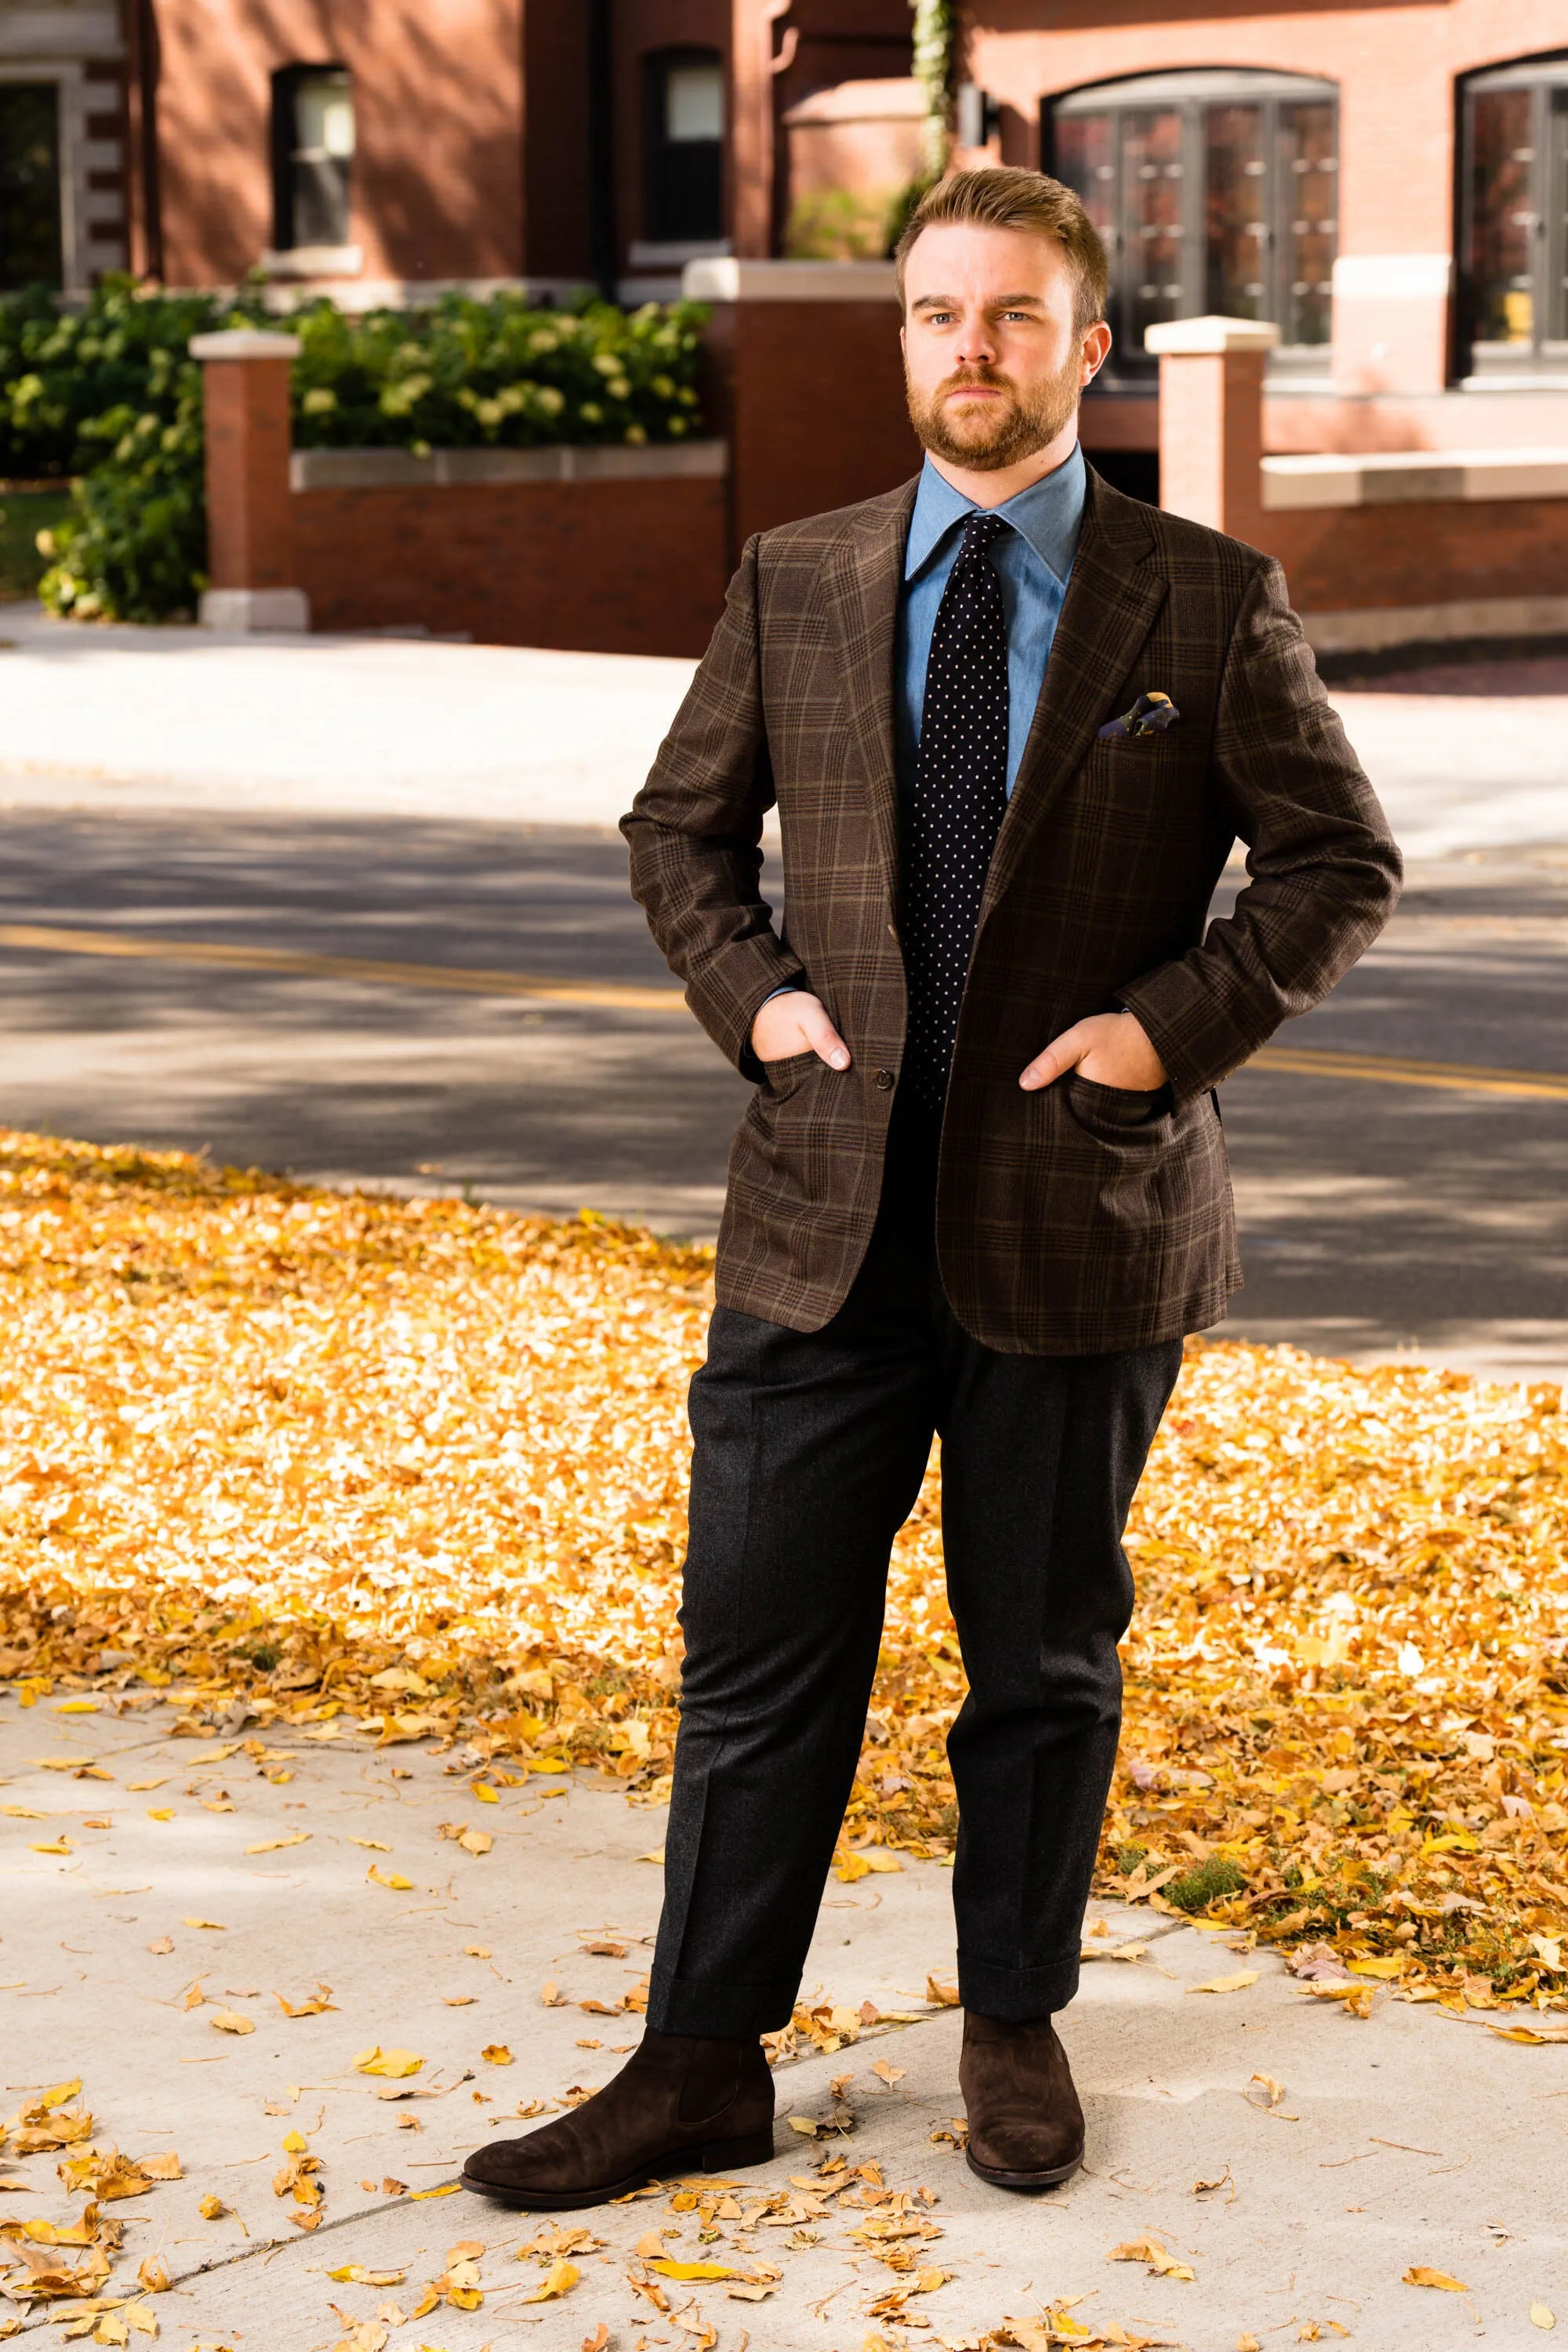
(1013, 722)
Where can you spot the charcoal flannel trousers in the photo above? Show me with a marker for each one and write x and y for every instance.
(810, 1449)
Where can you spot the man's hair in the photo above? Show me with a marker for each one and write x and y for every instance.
(1002, 197)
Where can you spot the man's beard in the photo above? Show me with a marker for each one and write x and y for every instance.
(988, 436)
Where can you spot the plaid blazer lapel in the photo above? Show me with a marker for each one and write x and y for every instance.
(863, 592)
(1110, 605)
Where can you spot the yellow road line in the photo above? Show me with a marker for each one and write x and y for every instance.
(471, 981)
(1305, 1061)
(1394, 1070)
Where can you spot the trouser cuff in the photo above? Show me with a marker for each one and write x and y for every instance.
(1017, 1995)
(720, 2011)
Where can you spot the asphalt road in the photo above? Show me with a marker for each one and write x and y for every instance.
(1377, 1217)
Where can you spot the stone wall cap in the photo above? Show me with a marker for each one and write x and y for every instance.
(244, 343)
(728, 279)
(893, 100)
(1188, 338)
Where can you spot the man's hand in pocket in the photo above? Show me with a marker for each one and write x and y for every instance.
(1111, 1048)
(797, 1022)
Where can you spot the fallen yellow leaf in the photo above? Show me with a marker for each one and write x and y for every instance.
(56, 1845)
(393, 2064)
(391, 1878)
(1151, 2251)
(686, 2271)
(1419, 2275)
(375, 1845)
(485, 1793)
(497, 2053)
(1237, 1982)
(421, 2196)
(1542, 2315)
(561, 2279)
(317, 2004)
(212, 2208)
(475, 1841)
(275, 1845)
(229, 2021)
(216, 1925)
(160, 1812)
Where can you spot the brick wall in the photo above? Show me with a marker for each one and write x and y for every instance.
(624, 567)
(1436, 552)
(436, 181)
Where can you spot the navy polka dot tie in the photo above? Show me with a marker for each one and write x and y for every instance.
(960, 798)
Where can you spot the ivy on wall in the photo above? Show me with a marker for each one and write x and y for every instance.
(936, 70)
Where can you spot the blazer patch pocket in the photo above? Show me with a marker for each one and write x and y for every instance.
(782, 1076)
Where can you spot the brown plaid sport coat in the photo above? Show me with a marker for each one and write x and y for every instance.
(1074, 1220)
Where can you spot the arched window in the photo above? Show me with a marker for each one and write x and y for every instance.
(1513, 225)
(312, 155)
(1215, 192)
(685, 143)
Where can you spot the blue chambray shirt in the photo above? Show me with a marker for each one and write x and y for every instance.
(1034, 562)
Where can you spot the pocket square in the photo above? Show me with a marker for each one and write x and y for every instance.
(1150, 715)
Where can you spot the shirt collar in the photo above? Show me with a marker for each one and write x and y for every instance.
(1049, 515)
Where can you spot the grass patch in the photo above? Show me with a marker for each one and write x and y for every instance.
(1210, 1881)
(23, 514)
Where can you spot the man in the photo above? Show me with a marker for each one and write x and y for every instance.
(1012, 721)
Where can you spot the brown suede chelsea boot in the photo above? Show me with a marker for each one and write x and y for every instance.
(1026, 2126)
(678, 2104)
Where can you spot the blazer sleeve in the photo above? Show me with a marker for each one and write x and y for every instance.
(1323, 870)
(695, 831)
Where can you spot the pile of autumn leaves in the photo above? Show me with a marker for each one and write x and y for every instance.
(418, 1468)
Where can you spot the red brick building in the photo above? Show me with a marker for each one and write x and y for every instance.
(1386, 183)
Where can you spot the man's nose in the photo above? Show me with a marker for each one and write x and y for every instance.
(976, 343)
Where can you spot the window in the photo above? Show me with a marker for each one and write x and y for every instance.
(29, 183)
(312, 156)
(1214, 193)
(685, 147)
(1513, 227)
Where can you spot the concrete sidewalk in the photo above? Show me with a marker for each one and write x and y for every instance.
(118, 715)
(160, 1892)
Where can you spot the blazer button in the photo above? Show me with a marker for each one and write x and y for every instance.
(884, 1080)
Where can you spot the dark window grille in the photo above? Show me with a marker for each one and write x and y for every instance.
(1215, 192)
(312, 156)
(1513, 219)
(30, 242)
(685, 140)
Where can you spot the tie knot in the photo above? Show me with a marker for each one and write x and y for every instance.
(982, 530)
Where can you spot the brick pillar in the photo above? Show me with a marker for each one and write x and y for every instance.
(786, 339)
(250, 519)
(1211, 420)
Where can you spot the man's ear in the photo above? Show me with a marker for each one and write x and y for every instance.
(1096, 349)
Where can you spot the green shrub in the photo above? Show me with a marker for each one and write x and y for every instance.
(61, 371)
(841, 225)
(499, 372)
(112, 393)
